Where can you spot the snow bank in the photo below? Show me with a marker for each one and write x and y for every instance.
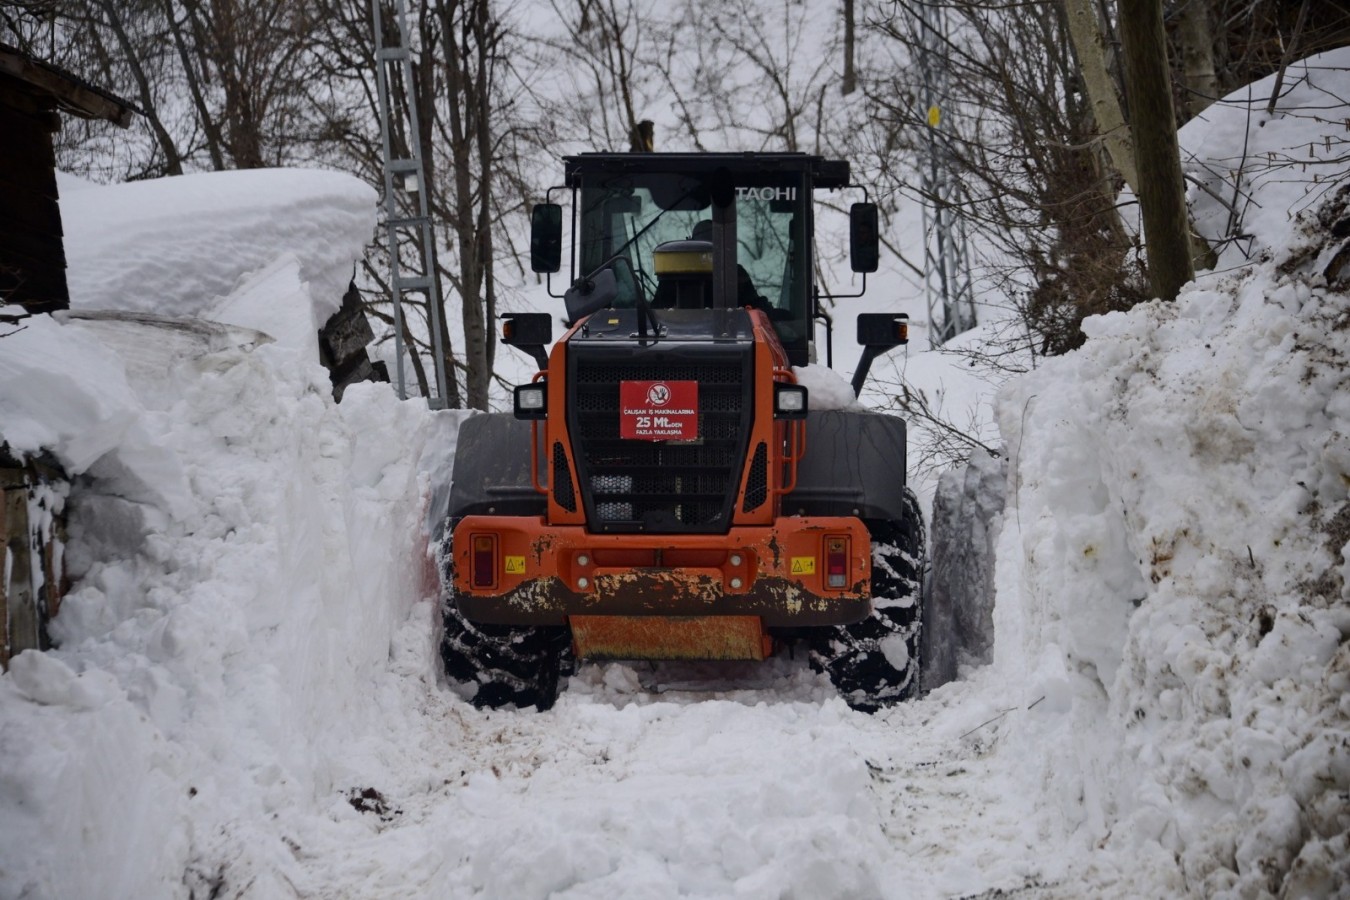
(216, 654)
(1173, 574)
(174, 246)
(967, 516)
(243, 550)
(1268, 166)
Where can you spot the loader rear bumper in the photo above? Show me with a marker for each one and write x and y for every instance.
(804, 571)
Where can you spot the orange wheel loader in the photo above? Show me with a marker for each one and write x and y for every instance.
(663, 488)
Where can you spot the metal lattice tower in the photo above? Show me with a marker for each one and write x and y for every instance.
(947, 280)
(407, 221)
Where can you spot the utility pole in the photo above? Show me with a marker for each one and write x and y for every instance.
(947, 281)
(405, 198)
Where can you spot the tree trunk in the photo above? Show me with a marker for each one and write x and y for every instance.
(1195, 38)
(173, 161)
(462, 101)
(1162, 192)
(1089, 43)
(850, 82)
(190, 69)
(485, 38)
(243, 136)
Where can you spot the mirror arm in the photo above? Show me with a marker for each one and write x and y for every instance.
(869, 355)
(824, 316)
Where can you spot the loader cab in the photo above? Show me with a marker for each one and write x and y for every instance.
(702, 230)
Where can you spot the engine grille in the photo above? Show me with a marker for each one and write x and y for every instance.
(655, 486)
(562, 480)
(757, 484)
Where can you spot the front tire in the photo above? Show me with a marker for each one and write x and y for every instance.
(498, 666)
(875, 663)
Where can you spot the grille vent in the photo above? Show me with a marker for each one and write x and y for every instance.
(757, 486)
(563, 490)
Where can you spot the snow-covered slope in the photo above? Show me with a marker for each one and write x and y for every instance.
(1173, 571)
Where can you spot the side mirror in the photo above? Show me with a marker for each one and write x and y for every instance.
(526, 329)
(883, 330)
(591, 294)
(529, 332)
(863, 237)
(546, 237)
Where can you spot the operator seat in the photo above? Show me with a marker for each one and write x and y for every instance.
(684, 274)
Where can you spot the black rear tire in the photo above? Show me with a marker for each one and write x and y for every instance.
(500, 665)
(875, 663)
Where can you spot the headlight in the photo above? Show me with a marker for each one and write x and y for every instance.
(789, 401)
(532, 401)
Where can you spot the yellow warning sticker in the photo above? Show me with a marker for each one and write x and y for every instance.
(515, 565)
(803, 565)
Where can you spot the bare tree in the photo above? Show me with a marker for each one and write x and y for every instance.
(1162, 192)
(252, 51)
(470, 100)
(1019, 134)
(611, 56)
(471, 40)
(1196, 58)
(850, 79)
(1093, 43)
(173, 161)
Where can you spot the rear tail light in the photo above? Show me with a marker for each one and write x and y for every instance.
(484, 560)
(836, 562)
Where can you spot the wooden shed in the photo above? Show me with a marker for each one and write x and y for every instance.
(33, 489)
(33, 95)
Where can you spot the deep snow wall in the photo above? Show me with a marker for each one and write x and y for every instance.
(243, 549)
(215, 656)
(1176, 530)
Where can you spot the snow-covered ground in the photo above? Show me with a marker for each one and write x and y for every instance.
(245, 699)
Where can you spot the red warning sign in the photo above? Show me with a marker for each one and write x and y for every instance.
(658, 410)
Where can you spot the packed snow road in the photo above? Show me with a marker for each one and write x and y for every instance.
(677, 780)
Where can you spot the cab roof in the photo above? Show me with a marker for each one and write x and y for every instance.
(825, 173)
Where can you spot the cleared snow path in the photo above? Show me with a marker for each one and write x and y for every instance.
(623, 792)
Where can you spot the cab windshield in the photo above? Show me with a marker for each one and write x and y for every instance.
(662, 226)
